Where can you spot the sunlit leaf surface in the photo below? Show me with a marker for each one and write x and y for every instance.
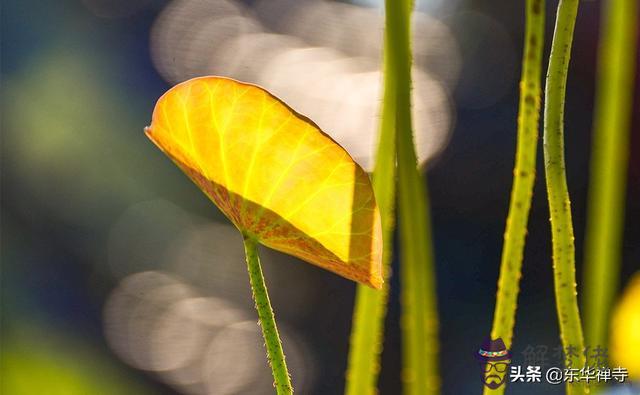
(273, 173)
(625, 330)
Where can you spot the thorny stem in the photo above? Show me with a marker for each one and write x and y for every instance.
(267, 320)
(523, 178)
(557, 191)
(371, 305)
(419, 321)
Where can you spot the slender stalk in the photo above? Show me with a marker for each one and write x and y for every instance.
(523, 178)
(266, 318)
(371, 305)
(419, 321)
(609, 160)
(557, 191)
(419, 316)
(366, 340)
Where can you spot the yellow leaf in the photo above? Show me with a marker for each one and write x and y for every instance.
(273, 173)
(625, 330)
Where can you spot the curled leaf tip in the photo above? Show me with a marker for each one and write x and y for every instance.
(273, 173)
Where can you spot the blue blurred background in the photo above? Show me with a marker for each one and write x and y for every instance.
(120, 277)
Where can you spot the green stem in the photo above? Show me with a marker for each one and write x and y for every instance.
(266, 318)
(557, 191)
(419, 315)
(366, 340)
(523, 178)
(419, 322)
(609, 160)
(371, 305)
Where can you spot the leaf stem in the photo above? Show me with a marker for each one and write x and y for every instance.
(371, 305)
(366, 340)
(419, 322)
(557, 191)
(523, 178)
(267, 319)
(609, 161)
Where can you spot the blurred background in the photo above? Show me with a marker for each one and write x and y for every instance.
(120, 277)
